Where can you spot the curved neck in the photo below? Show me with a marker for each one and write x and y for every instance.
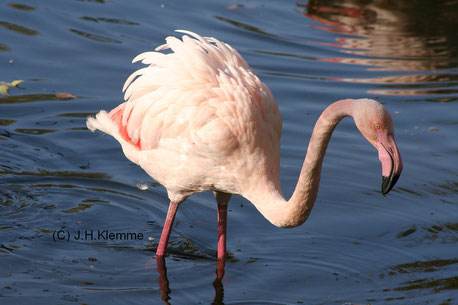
(295, 211)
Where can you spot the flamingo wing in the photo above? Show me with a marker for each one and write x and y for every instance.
(201, 101)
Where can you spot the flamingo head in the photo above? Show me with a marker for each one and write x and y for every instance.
(375, 124)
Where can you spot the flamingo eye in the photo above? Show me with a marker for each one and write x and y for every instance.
(377, 126)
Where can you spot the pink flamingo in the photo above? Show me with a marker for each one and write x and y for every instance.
(198, 119)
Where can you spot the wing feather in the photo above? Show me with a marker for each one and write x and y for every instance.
(200, 94)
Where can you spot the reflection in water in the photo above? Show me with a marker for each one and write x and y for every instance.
(428, 234)
(243, 26)
(393, 36)
(444, 190)
(164, 288)
(13, 200)
(109, 20)
(21, 7)
(30, 98)
(435, 281)
(4, 47)
(163, 281)
(34, 131)
(95, 37)
(18, 28)
(79, 208)
(59, 174)
(5, 122)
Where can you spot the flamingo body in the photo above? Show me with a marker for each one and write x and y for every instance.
(193, 116)
(197, 118)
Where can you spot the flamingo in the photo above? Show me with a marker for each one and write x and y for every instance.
(197, 118)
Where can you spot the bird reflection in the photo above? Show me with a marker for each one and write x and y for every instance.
(163, 281)
(218, 284)
(390, 35)
(164, 288)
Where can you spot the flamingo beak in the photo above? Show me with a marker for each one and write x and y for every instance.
(390, 158)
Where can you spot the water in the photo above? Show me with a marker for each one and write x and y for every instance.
(57, 178)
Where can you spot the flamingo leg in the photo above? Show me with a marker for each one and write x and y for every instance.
(167, 229)
(222, 224)
(222, 199)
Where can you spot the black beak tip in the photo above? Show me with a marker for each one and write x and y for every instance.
(388, 183)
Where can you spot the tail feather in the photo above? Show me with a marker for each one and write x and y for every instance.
(112, 124)
(94, 123)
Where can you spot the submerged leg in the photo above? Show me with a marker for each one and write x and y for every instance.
(167, 229)
(222, 199)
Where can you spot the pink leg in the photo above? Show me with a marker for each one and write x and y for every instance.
(222, 199)
(167, 229)
(222, 224)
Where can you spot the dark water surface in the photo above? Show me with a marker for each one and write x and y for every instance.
(356, 248)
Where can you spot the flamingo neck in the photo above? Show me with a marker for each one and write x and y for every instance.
(296, 210)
